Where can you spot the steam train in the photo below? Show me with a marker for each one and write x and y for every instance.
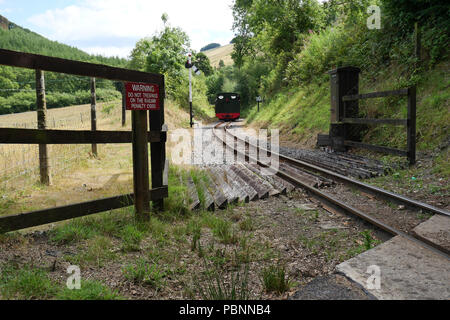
(228, 106)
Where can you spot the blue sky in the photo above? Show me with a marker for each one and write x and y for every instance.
(112, 27)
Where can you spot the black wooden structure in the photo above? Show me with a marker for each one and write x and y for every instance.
(346, 125)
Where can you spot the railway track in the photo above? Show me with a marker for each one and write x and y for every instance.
(312, 177)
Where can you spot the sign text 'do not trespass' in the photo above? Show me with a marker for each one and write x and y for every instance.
(141, 96)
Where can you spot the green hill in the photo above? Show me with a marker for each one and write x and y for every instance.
(21, 39)
(16, 84)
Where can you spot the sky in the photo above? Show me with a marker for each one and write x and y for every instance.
(112, 27)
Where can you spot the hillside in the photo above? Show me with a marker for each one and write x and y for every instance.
(221, 53)
(17, 38)
(16, 84)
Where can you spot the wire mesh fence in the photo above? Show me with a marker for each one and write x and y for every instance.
(19, 164)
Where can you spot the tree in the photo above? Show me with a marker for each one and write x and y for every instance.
(140, 53)
(210, 46)
(168, 51)
(202, 62)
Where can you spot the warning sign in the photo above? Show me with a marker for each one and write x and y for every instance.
(141, 96)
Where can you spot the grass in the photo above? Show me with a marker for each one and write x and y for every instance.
(25, 283)
(28, 283)
(131, 238)
(216, 285)
(302, 112)
(334, 244)
(224, 231)
(96, 252)
(90, 290)
(143, 272)
(274, 279)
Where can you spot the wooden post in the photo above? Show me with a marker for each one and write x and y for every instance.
(41, 107)
(93, 114)
(124, 111)
(411, 135)
(140, 164)
(158, 149)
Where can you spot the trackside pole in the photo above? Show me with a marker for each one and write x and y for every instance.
(190, 90)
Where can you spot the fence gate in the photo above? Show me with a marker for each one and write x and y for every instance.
(139, 137)
(345, 124)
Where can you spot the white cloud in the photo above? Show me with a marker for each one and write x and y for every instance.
(123, 52)
(88, 20)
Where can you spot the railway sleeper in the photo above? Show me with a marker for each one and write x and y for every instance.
(250, 191)
(272, 191)
(263, 192)
(220, 199)
(269, 179)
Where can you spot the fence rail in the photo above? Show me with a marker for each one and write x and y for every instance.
(37, 136)
(410, 122)
(35, 218)
(139, 137)
(401, 92)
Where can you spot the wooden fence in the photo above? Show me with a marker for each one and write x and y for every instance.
(139, 137)
(344, 128)
(410, 122)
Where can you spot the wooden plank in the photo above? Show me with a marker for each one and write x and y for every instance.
(239, 189)
(193, 194)
(323, 140)
(41, 108)
(271, 179)
(124, 106)
(36, 218)
(36, 136)
(219, 198)
(93, 114)
(140, 164)
(250, 192)
(208, 197)
(411, 131)
(250, 179)
(401, 92)
(393, 151)
(396, 122)
(216, 176)
(35, 61)
(158, 149)
(257, 174)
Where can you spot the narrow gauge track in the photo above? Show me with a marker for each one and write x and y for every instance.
(334, 202)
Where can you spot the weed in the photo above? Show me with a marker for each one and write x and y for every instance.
(196, 237)
(247, 224)
(223, 230)
(274, 279)
(143, 272)
(369, 241)
(97, 252)
(25, 283)
(75, 230)
(216, 285)
(90, 290)
(131, 238)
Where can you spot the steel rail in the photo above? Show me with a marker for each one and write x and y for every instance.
(372, 189)
(341, 205)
